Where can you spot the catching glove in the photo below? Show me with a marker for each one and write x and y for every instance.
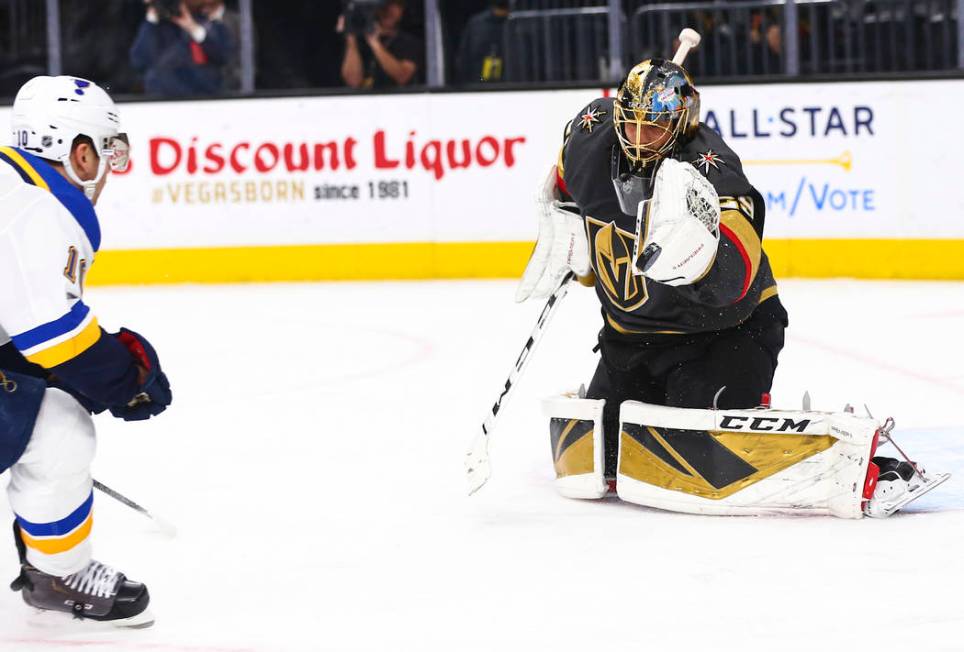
(681, 232)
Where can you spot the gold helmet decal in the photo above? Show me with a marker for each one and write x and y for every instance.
(655, 106)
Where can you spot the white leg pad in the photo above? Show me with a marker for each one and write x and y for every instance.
(731, 462)
(576, 435)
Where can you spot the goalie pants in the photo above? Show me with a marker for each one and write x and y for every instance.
(688, 370)
(50, 487)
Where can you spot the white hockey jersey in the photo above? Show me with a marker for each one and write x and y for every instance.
(49, 235)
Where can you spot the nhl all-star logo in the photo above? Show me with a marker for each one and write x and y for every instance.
(707, 159)
(590, 118)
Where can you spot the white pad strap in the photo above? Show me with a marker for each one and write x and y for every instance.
(743, 461)
(576, 434)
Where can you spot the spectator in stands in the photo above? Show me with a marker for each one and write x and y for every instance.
(380, 55)
(766, 36)
(182, 48)
(481, 51)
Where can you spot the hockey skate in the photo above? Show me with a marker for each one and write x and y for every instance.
(97, 593)
(900, 483)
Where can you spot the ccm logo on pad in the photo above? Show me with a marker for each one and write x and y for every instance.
(766, 424)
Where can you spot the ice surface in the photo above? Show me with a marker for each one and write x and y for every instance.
(312, 462)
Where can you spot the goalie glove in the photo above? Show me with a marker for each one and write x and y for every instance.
(560, 248)
(679, 229)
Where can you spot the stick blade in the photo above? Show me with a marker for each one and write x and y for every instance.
(477, 465)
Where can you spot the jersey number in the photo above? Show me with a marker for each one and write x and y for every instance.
(75, 269)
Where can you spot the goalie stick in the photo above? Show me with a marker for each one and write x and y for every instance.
(477, 465)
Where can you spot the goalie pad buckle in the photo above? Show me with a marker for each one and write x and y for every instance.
(576, 435)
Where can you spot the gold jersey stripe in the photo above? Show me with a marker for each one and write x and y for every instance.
(628, 331)
(22, 163)
(748, 238)
(768, 293)
(68, 349)
(59, 544)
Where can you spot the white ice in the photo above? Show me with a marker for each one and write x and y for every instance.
(312, 461)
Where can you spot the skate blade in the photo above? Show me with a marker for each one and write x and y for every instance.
(61, 620)
(934, 481)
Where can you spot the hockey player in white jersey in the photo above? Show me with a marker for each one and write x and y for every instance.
(57, 365)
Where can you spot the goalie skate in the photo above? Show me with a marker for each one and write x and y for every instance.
(900, 483)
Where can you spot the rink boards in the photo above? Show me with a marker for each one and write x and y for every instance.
(441, 185)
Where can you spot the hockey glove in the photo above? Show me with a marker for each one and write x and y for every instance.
(560, 248)
(681, 232)
(155, 390)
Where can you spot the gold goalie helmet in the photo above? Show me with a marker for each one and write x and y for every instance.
(655, 94)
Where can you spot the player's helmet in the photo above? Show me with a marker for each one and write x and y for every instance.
(656, 93)
(50, 112)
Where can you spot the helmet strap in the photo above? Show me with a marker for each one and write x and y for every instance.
(89, 187)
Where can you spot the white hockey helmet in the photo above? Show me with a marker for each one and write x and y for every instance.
(50, 112)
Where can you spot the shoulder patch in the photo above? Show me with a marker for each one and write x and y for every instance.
(591, 117)
(708, 159)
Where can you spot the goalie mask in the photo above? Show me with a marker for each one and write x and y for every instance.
(656, 106)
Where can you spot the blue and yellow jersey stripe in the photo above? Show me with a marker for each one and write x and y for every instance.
(59, 536)
(37, 172)
(60, 340)
(28, 173)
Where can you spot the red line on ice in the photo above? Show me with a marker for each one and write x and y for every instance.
(881, 364)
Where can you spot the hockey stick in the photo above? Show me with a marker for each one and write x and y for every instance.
(477, 465)
(163, 525)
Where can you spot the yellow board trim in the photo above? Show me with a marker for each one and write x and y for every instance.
(61, 544)
(870, 259)
(15, 156)
(68, 349)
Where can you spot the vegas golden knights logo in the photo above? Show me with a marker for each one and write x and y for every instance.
(612, 250)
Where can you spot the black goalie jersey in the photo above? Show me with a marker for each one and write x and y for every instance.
(740, 279)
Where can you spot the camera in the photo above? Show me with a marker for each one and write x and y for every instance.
(167, 9)
(360, 16)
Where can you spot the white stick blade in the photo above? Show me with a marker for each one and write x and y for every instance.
(477, 466)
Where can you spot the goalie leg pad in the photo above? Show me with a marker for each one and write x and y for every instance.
(731, 462)
(576, 436)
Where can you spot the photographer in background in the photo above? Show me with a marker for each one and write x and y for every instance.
(183, 47)
(377, 53)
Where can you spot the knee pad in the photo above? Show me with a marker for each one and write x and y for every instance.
(63, 442)
(576, 436)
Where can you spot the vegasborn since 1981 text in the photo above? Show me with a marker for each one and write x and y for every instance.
(370, 190)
